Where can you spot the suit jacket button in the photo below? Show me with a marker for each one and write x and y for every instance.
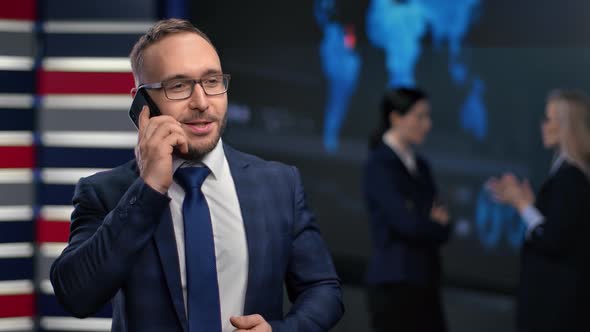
(132, 200)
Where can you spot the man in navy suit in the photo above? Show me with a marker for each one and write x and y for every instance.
(130, 242)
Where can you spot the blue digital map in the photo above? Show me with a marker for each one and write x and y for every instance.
(398, 28)
(341, 65)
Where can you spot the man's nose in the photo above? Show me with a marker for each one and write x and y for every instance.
(199, 99)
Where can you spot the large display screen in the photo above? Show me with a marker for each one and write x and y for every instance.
(307, 80)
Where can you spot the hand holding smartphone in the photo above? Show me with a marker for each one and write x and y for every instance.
(153, 154)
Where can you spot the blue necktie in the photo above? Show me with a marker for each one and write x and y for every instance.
(201, 271)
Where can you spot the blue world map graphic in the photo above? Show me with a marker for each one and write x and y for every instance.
(397, 27)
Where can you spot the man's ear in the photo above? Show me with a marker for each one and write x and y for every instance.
(133, 92)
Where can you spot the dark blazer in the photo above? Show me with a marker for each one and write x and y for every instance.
(553, 293)
(405, 239)
(122, 248)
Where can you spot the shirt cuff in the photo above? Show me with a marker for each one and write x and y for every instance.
(532, 218)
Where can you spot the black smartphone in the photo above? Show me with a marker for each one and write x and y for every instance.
(142, 98)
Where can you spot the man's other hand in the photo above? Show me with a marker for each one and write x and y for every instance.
(250, 323)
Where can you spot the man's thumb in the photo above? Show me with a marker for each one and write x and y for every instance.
(246, 322)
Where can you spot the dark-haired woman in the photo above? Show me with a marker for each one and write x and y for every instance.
(408, 226)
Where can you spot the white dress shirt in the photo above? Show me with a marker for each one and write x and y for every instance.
(231, 250)
(406, 155)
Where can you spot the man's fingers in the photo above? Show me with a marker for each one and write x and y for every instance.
(183, 146)
(156, 122)
(161, 131)
(246, 322)
(175, 139)
(144, 115)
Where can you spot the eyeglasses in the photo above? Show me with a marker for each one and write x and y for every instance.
(183, 88)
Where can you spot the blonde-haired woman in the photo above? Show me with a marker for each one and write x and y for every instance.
(555, 259)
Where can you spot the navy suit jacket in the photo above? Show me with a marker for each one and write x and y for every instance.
(554, 292)
(405, 239)
(122, 249)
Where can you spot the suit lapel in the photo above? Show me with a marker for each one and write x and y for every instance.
(394, 158)
(254, 225)
(545, 190)
(168, 254)
(166, 244)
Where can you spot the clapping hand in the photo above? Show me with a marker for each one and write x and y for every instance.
(508, 190)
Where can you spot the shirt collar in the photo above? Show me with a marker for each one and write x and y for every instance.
(213, 160)
(404, 154)
(559, 159)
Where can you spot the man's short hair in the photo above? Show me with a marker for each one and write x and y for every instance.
(156, 33)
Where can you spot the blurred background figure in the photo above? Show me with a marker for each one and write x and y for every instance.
(554, 260)
(407, 223)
